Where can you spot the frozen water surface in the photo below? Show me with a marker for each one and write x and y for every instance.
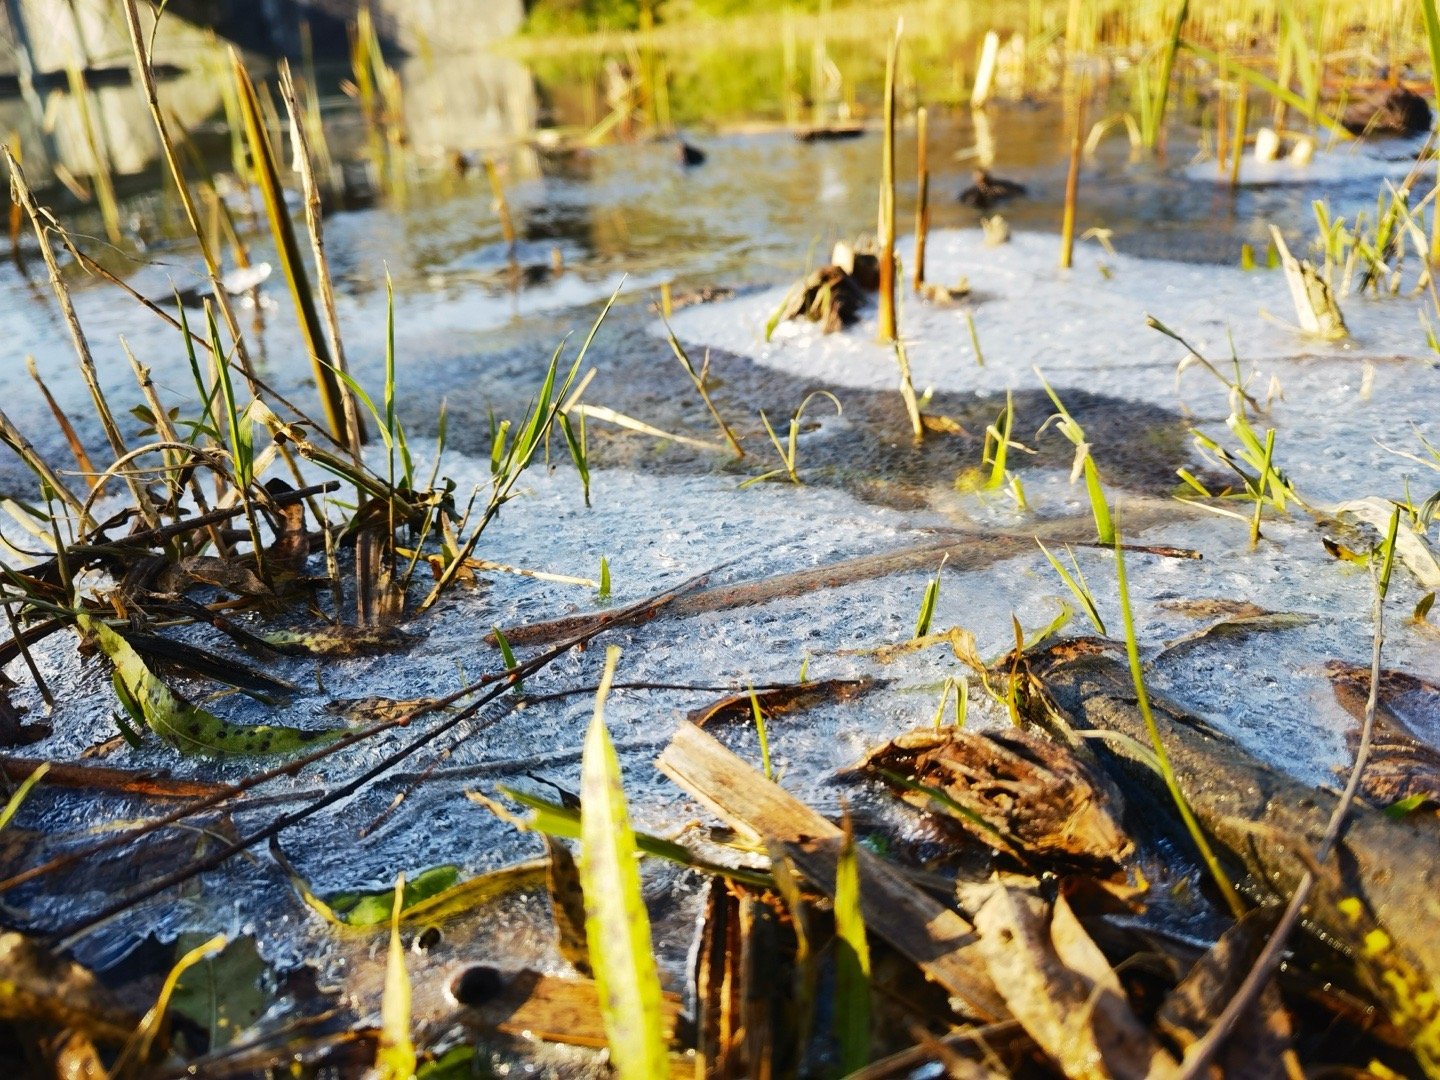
(1085, 329)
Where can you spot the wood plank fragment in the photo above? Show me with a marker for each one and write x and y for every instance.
(914, 923)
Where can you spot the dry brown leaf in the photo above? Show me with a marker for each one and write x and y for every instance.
(233, 575)
(1401, 765)
(1211, 607)
(1062, 990)
(39, 987)
(780, 700)
(1261, 1041)
(1236, 625)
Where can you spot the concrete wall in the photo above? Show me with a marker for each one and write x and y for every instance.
(456, 96)
(95, 29)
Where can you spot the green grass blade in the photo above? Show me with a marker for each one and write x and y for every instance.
(242, 447)
(761, 733)
(395, 1056)
(1432, 40)
(1167, 68)
(508, 654)
(616, 923)
(927, 604)
(852, 962)
(1077, 588)
(1099, 508)
(1172, 783)
(13, 804)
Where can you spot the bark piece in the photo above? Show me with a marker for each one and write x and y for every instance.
(1025, 792)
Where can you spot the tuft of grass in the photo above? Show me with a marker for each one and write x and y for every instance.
(790, 451)
(997, 444)
(511, 454)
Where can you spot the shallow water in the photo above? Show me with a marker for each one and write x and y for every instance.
(751, 219)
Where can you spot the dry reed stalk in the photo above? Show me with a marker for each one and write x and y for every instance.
(77, 448)
(1222, 150)
(885, 225)
(985, 73)
(12, 437)
(40, 220)
(354, 429)
(922, 194)
(1072, 186)
(1242, 121)
(99, 155)
(165, 431)
(502, 207)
